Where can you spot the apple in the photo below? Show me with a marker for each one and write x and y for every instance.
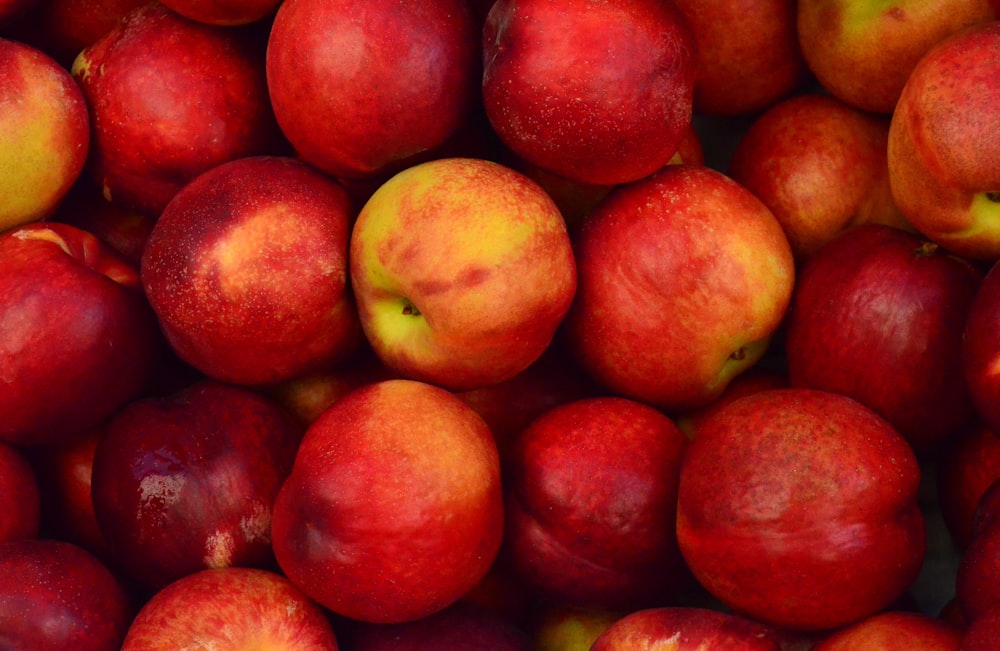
(863, 52)
(894, 630)
(591, 503)
(20, 502)
(685, 629)
(820, 166)
(684, 277)
(459, 627)
(977, 580)
(230, 609)
(56, 596)
(360, 88)
(982, 634)
(941, 152)
(186, 482)
(547, 68)
(393, 509)
(878, 315)
(224, 12)
(462, 270)
(747, 54)
(964, 471)
(79, 338)
(171, 98)
(981, 349)
(44, 133)
(798, 508)
(246, 269)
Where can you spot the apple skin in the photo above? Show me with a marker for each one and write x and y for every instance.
(171, 98)
(224, 12)
(359, 92)
(186, 482)
(685, 629)
(547, 69)
(230, 609)
(878, 315)
(667, 267)
(941, 152)
(981, 349)
(263, 241)
(798, 508)
(863, 52)
(977, 580)
(20, 500)
(820, 166)
(894, 631)
(459, 627)
(80, 339)
(747, 54)
(393, 509)
(591, 504)
(44, 133)
(964, 473)
(462, 270)
(56, 596)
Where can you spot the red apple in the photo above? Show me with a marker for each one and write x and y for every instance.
(981, 349)
(360, 88)
(56, 596)
(186, 482)
(44, 133)
(393, 509)
(246, 269)
(685, 629)
(224, 12)
(230, 609)
(863, 52)
(964, 472)
(878, 315)
(79, 339)
(171, 98)
(459, 627)
(747, 54)
(20, 503)
(894, 630)
(462, 270)
(591, 505)
(547, 70)
(941, 151)
(799, 508)
(983, 634)
(683, 279)
(820, 166)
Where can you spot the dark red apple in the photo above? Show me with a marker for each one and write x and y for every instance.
(460, 627)
(56, 596)
(548, 67)
(798, 508)
(877, 315)
(361, 88)
(591, 505)
(393, 510)
(246, 269)
(171, 98)
(186, 482)
(685, 629)
(20, 503)
(964, 473)
(77, 337)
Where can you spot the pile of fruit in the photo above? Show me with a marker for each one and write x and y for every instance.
(554, 325)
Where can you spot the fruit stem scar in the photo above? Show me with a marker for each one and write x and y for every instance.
(409, 309)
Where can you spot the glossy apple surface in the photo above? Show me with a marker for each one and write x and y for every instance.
(358, 93)
(393, 509)
(591, 505)
(547, 69)
(462, 270)
(941, 152)
(894, 630)
(44, 133)
(80, 339)
(230, 609)
(685, 629)
(20, 502)
(878, 315)
(262, 240)
(684, 277)
(171, 98)
(56, 596)
(799, 508)
(186, 482)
